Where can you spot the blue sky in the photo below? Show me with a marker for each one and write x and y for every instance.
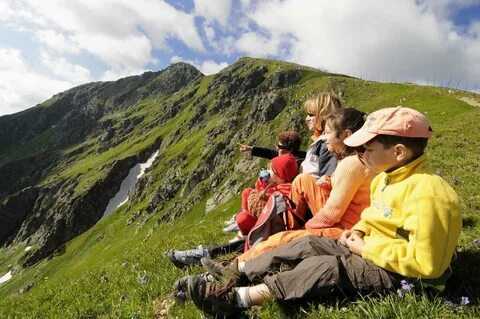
(51, 45)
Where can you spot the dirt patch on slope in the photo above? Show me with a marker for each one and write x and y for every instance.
(470, 100)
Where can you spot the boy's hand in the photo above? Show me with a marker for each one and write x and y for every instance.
(244, 148)
(344, 237)
(355, 243)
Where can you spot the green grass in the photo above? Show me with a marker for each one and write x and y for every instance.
(78, 275)
(202, 90)
(116, 270)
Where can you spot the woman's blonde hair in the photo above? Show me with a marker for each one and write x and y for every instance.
(322, 105)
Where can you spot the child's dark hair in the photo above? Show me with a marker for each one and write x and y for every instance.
(289, 140)
(347, 119)
(416, 144)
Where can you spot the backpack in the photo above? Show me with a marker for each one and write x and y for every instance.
(277, 215)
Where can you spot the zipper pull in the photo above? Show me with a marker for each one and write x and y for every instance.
(386, 183)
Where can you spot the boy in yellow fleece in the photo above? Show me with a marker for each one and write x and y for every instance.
(413, 224)
(410, 231)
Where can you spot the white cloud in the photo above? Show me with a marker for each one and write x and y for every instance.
(210, 33)
(21, 86)
(121, 33)
(245, 3)
(11, 59)
(6, 11)
(410, 40)
(57, 42)
(210, 67)
(65, 70)
(161, 21)
(258, 45)
(129, 52)
(382, 40)
(222, 44)
(176, 58)
(218, 10)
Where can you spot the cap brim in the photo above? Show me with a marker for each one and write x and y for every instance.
(359, 138)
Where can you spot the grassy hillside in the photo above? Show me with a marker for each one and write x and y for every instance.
(117, 269)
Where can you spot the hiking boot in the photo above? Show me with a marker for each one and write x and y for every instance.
(211, 297)
(190, 257)
(180, 287)
(231, 228)
(226, 273)
(216, 269)
(180, 290)
(230, 220)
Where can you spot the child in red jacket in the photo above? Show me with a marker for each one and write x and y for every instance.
(283, 170)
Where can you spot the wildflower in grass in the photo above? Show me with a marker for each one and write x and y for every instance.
(405, 287)
(143, 278)
(464, 301)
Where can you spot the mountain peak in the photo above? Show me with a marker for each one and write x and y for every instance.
(182, 66)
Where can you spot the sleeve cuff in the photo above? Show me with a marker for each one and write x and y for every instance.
(361, 227)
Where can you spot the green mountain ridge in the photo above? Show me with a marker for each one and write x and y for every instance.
(63, 160)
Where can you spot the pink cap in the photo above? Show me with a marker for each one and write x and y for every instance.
(398, 121)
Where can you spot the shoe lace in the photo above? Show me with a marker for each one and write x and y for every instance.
(221, 290)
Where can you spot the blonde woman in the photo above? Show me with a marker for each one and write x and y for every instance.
(317, 161)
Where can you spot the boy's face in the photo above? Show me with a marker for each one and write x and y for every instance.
(379, 159)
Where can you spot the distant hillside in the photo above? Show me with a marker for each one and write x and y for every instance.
(63, 160)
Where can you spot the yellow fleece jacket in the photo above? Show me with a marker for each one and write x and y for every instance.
(413, 222)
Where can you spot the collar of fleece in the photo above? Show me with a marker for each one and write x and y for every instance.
(405, 171)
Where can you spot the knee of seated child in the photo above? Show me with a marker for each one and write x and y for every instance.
(245, 222)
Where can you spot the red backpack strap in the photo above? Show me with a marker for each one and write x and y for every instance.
(292, 219)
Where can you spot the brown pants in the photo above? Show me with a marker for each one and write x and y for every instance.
(316, 266)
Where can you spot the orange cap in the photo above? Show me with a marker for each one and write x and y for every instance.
(398, 121)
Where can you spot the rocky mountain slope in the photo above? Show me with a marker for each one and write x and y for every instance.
(42, 205)
(63, 160)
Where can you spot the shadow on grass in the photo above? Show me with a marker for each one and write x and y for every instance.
(469, 222)
(465, 281)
